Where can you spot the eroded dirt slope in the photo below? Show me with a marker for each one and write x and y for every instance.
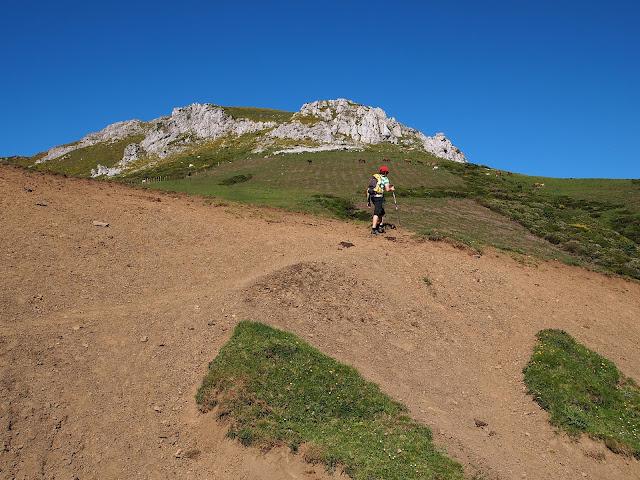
(105, 333)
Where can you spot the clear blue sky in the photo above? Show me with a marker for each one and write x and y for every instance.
(544, 87)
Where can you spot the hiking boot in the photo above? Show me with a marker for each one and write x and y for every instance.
(374, 231)
(380, 228)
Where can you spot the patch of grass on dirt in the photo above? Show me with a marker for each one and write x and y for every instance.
(584, 392)
(278, 390)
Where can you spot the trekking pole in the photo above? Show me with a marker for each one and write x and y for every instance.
(395, 202)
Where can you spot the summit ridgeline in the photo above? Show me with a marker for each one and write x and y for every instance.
(341, 124)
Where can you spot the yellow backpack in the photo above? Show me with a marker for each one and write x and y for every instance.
(378, 189)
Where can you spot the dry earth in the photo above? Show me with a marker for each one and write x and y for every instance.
(106, 332)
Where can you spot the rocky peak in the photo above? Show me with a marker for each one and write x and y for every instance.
(324, 124)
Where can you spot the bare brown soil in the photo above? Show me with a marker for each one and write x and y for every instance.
(106, 332)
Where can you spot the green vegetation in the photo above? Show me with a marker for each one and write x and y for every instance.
(258, 114)
(80, 162)
(237, 179)
(584, 392)
(278, 390)
(202, 156)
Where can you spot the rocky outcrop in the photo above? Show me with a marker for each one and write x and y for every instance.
(132, 152)
(194, 123)
(115, 131)
(334, 121)
(325, 124)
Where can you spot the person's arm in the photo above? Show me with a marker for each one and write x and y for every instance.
(389, 188)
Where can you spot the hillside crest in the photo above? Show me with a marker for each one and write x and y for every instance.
(317, 126)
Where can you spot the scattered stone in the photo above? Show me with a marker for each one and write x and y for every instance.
(76, 328)
(480, 423)
(42, 204)
(144, 339)
(157, 409)
(178, 453)
(347, 244)
(493, 433)
(28, 189)
(96, 223)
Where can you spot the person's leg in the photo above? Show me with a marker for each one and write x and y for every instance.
(377, 211)
(380, 226)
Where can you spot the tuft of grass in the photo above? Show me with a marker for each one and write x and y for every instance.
(275, 389)
(427, 281)
(337, 206)
(236, 179)
(584, 392)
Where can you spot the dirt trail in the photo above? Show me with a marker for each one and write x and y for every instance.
(105, 333)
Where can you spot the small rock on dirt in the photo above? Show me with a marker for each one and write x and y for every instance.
(96, 223)
(480, 423)
(346, 244)
(157, 409)
(144, 338)
(42, 204)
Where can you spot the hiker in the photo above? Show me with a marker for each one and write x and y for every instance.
(378, 184)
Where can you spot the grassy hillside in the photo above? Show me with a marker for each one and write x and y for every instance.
(586, 222)
(80, 162)
(593, 222)
(259, 114)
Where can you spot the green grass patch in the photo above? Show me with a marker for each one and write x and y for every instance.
(259, 114)
(278, 390)
(339, 207)
(237, 179)
(584, 392)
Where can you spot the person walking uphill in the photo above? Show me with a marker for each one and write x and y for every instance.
(378, 184)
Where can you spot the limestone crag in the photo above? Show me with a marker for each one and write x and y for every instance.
(115, 131)
(343, 121)
(132, 152)
(194, 123)
(324, 124)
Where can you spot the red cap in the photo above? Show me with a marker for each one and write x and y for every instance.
(384, 169)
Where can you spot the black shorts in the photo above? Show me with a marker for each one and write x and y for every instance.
(378, 209)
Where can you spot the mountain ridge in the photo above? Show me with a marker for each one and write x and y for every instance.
(318, 126)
